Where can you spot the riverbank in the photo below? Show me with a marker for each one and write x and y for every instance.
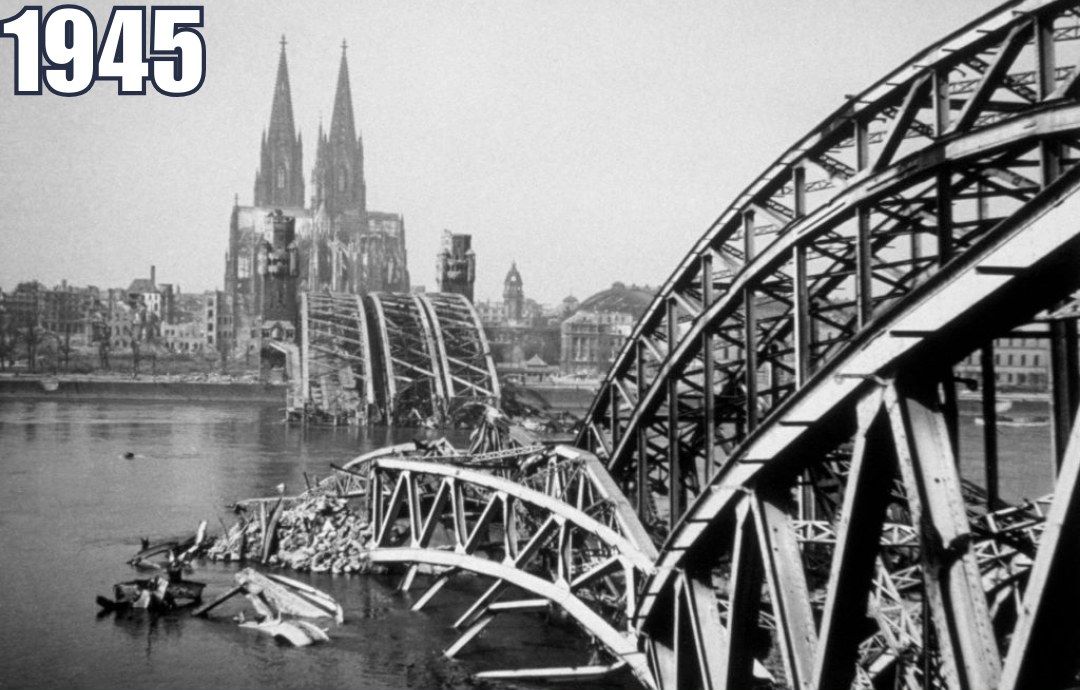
(575, 400)
(165, 389)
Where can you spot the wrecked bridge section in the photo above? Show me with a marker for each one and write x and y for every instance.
(546, 526)
(387, 357)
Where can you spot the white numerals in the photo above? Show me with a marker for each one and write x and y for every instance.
(61, 50)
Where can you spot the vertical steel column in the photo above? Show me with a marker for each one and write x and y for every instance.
(862, 144)
(708, 402)
(675, 469)
(750, 328)
(642, 443)
(803, 332)
(801, 287)
(939, 96)
(616, 432)
(864, 255)
(788, 592)
(1064, 383)
(864, 268)
(1049, 151)
(943, 205)
(943, 211)
(953, 584)
(989, 414)
(1044, 55)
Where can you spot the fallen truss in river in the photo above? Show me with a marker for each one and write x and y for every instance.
(546, 525)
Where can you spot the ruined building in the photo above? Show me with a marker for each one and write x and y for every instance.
(338, 243)
(455, 266)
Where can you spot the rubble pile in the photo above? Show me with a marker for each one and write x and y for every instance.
(318, 534)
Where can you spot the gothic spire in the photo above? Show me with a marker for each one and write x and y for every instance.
(280, 181)
(338, 177)
(281, 112)
(342, 124)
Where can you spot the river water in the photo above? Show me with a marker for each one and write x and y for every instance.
(72, 510)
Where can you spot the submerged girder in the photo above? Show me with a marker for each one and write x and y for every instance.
(398, 358)
(794, 378)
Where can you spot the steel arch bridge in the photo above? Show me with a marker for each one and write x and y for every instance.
(391, 357)
(554, 532)
(795, 377)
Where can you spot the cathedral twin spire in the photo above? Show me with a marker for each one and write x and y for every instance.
(279, 181)
(338, 176)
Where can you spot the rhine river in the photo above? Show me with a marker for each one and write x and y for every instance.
(72, 510)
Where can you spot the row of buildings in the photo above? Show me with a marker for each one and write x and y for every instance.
(286, 243)
(88, 318)
(531, 341)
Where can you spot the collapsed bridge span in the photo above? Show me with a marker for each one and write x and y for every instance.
(388, 357)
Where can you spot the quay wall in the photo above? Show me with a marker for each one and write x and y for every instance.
(148, 389)
(566, 398)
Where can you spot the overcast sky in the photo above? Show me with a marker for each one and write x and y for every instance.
(592, 141)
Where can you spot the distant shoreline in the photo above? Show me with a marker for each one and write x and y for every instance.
(161, 388)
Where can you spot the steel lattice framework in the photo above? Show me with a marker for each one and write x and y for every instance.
(464, 355)
(393, 357)
(405, 340)
(795, 373)
(336, 371)
(559, 531)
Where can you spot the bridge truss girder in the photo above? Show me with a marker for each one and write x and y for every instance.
(398, 358)
(405, 341)
(932, 213)
(464, 355)
(917, 178)
(336, 370)
(562, 534)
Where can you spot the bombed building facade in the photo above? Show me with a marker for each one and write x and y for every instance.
(455, 266)
(329, 241)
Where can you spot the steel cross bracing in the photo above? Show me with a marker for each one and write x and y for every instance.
(397, 358)
(336, 374)
(930, 214)
(464, 358)
(408, 356)
(560, 534)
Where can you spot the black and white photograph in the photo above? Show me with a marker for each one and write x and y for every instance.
(525, 344)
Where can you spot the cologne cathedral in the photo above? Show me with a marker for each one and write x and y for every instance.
(333, 240)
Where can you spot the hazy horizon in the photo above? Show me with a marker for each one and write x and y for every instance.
(591, 142)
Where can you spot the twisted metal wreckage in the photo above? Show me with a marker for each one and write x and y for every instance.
(388, 357)
(784, 417)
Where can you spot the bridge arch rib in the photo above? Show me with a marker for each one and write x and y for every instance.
(930, 214)
(561, 533)
(396, 357)
(466, 364)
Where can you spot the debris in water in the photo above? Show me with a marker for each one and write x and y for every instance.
(273, 597)
(158, 594)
